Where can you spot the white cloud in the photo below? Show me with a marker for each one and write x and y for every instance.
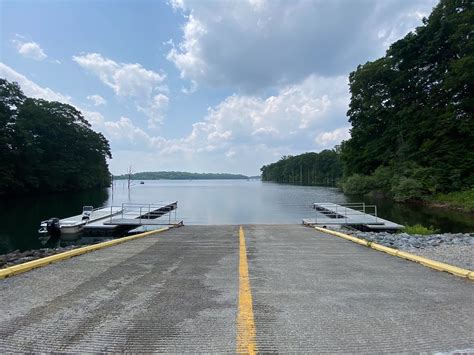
(293, 117)
(30, 49)
(155, 109)
(240, 134)
(29, 87)
(333, 137)
(130, 80)
(97, 100)
(125, 79)
(243, 132)
(256, 44)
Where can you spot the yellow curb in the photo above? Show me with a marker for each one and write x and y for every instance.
(469, 274)
(18, 269)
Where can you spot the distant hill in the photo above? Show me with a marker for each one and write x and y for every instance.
(180, 175)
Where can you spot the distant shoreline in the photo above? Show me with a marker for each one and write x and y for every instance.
(180, 175)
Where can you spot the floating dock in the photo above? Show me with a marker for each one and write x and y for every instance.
(358, 215)
(132, 215)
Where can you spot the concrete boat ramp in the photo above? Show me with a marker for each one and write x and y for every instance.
(259, 288)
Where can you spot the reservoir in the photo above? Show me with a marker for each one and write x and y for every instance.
(216, 202)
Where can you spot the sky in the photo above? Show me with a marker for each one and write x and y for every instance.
(199, 85)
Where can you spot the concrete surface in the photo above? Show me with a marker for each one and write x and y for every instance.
(178, 292)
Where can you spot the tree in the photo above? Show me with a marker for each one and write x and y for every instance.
(51, 146)
(412, 110)
(322, 168)
(11, 98)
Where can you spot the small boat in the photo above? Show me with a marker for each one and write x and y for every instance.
(74, 225)
(142, 182)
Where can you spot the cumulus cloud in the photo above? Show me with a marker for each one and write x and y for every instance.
(130, 80)
(256, 44)
(291, 118)
(97, 100)
(241, 133)
(29, 87)
(154, 109)
(333, 137)
(29, 49)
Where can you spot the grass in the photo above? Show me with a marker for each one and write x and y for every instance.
(419, 229)
(460, 199)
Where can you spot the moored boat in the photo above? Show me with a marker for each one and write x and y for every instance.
(75, 224)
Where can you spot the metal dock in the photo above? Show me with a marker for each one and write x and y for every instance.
(132, 215)
(350, 214)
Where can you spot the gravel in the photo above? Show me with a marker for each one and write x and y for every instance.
(452, 248)
(16, 257)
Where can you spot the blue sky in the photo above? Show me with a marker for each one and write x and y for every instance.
(205, 86)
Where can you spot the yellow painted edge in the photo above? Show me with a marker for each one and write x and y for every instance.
(20, 268)
(246, 343)
(469, 274)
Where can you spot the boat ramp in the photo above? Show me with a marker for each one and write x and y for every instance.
(226, 289)
(357, 215)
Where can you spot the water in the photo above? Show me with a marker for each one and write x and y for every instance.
(207, 202)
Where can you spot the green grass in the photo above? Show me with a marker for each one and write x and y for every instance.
(419, 229)
(461, 199)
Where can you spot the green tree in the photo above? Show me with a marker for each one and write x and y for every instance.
(322, 168)
(412, 110)
(51, 146)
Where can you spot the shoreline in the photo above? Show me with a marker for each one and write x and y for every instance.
(452, 248)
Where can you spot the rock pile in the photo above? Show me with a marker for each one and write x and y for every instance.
(17, 257)
(408, 242)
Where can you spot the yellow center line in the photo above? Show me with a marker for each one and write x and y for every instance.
(245, 323)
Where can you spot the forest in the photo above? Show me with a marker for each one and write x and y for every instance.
(179, 175)
(47, 146)
(411, 113)
(324, 168)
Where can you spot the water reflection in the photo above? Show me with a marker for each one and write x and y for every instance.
(21, 215)
(207, 202)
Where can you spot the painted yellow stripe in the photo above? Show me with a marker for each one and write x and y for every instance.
(246, 343)
(469, 274)
(30, 265)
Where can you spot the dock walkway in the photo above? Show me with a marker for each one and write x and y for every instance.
(178, 291)
(350, 214)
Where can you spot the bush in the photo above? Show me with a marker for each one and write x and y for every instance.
(461, 199)
(358, 185)
(382, 178)
(404, 189)
(419, 229)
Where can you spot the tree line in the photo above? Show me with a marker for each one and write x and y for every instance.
(179, 175)
(47, 146)
(411, 113)
(322, 168)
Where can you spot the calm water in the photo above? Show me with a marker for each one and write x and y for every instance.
(206, 202)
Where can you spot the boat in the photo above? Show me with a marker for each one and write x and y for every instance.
(75, 224)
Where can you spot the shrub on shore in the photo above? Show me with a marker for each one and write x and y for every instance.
(461, 199)
(419, 229)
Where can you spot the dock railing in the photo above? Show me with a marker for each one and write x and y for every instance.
(145, 212)
(345, 211)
